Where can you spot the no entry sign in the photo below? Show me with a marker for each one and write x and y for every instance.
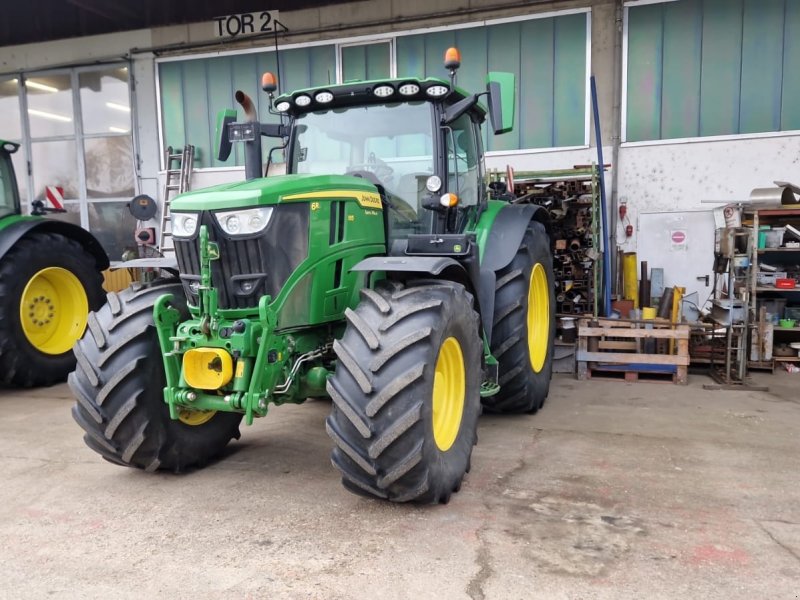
(678, 237)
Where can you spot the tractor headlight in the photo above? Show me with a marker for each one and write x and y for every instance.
(184, 224)
(244, 222)
(437, 91)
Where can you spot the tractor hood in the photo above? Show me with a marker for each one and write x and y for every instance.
(268, 190)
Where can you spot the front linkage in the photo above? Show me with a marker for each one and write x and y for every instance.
(243, 359)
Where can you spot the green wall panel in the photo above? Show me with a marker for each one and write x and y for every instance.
(790, 96)
(712, 67)
(322, 65)
(762, 44)
(410, 59)
(378, 60)
(720, 81)
(354, 63)
(436, 44)
(195, 85)
(366, 61)
(220, 97)
(535, 115)
(680, 90)
(645, 50)
(171, 76)
(504, 49)
(569, 85)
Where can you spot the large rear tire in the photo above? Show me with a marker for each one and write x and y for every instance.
(48, 285)
(524, 326)
(406, 392)
(119, 383)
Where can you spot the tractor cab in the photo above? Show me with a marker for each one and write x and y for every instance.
(418, 141)
(9, 195)
(402, 144)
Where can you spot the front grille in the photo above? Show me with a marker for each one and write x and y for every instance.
(248, 268)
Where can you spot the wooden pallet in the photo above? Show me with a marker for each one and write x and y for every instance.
(633, 373)
(611, 348)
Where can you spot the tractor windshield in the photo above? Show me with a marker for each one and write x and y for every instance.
(8, 186)
(389, 144)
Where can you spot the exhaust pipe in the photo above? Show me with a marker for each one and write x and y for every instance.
(247, 105)
(252, 148)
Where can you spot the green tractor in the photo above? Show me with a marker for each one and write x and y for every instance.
(377, 272)
(50, 278)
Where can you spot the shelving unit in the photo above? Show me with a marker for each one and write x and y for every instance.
(785, 259)
(732, 298)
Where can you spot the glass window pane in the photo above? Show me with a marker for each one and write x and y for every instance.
(365, 61)
(114, 226)
(109, 167)
(21, 173)
(55, 163)
(10, 123)
(49, 105)
(105, 102)
(463, 159)
(8, 196)
(73, 214)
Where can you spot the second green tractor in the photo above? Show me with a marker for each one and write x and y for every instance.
(376, 272)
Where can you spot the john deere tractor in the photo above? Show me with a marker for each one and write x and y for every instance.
(50, 277)
(377, 272)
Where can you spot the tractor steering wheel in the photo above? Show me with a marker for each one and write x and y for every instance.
(374, 165)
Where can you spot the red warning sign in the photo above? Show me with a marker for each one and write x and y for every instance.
(55, 195)
(678, 237)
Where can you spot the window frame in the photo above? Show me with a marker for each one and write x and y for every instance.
(393, 36)
(371, 42)
(625, 143)
(78, 137)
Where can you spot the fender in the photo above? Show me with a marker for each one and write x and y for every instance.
(507, 232)
(441, 267)
(504, 238)
(13, 233)
(433, 265)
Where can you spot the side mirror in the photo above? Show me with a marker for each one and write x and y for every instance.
(502, 97)
(224, 119)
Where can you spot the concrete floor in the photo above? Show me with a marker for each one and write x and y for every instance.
(613, 491)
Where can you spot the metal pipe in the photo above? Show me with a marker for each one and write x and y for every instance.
(252, 148)
(607, 237)
(247, 105)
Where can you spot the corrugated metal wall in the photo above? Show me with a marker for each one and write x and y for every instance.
(712, 67)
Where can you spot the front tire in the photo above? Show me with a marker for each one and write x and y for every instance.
(48, 285)
(524, 326)
(119, 384)
(406, 392)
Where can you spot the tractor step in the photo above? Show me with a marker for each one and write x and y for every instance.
(489, 388)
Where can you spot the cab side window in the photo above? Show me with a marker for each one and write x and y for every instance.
(464, 164)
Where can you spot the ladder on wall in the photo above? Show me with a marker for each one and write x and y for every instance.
(179, 174)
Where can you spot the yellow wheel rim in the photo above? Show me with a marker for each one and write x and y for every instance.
(538, 317)
(449, 390)
(53, 310)
(195, 417)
